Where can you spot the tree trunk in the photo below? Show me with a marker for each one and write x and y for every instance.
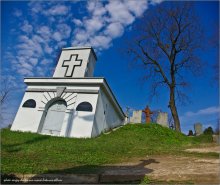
(172, 106)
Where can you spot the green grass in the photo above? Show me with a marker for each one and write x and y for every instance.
(34, 153)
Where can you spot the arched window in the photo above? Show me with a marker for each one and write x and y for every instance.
(84, 106)
(29, 103)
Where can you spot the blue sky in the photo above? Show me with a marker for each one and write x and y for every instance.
(33, 34)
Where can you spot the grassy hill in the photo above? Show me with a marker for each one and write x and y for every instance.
(34, 153)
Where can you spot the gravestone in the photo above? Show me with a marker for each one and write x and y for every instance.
(162, 119)
(216, 139)
(136, 116)
(198, 129)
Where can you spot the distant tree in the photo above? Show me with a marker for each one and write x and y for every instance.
(190, 133)
(168, 37)
(9, 126)
(5, 91)
(208, 131)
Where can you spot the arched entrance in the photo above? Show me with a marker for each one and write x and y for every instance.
(54, 118)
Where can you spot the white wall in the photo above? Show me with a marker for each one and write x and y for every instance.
(82, 123)
(113, 119)
(28, 119)
(110, 119)
(99, 121)
(90, 66)
(84, 54)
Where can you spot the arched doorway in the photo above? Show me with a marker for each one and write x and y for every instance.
(54, 118)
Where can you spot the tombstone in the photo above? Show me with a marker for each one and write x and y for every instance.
(136, 116)
(216, 139)
(162, 119)
(198, 129)
(72, 103)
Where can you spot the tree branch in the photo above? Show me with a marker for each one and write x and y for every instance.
(157, 65)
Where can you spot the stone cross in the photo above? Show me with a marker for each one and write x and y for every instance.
(147, 114)
(71, 64)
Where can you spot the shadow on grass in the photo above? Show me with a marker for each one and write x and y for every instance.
(18, 146)
(95, 174)
(102, 174)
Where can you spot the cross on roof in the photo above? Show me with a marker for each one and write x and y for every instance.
(71, 64)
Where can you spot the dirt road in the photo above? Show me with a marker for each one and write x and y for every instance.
(169, 168)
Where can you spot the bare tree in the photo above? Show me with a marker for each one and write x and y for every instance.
(4, 94)
(214, 42)
(167, 39)
(170, 121)
(6, 89)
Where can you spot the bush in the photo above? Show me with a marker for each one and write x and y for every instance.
(208, 131)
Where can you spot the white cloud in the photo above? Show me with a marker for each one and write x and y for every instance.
(36, 7)
(40, 71)
(81, 35)
(57, 10)
(205, 111)
(96, 8)
(137, 8)
(48, 28)
(100, 41)
(45, 61)
(62, 43)
(29, 44)
(114, 30)
(106, 21)
(25, 72)
(57, 36)
(37, 38)
(94, 24)
(77, 22)
(64, 30)
(17, 13)
(26, 27)
(119, 12)
(25, 52)
(154, 2)
(26, 65)
(11, 80)
(44, 31)
(48, 49)
(33, 61)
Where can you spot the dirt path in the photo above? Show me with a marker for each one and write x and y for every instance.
(205, 150)
(169, 168)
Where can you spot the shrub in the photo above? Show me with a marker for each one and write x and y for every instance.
(208, 131)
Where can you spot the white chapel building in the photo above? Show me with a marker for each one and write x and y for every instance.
(72, 103)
